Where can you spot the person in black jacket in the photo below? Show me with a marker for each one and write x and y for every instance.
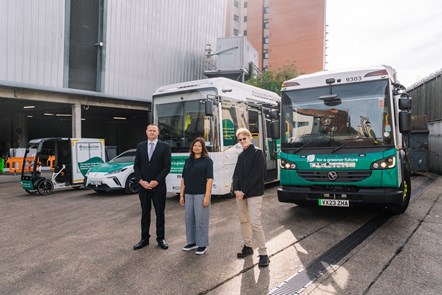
(195, 193)
(151, 165)
(248, 186)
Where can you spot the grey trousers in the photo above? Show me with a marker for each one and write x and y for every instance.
(197, 220)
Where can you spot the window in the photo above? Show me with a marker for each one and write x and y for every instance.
(236, 3)
(245, 18)
(245, 33)
(234, 116)
(245, 4)
(266, 10)
(266, 54)
(266, 40)
(236, 18)
(266, 25)
(235, 32)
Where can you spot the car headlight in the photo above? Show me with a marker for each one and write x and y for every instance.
(116, 171)
(386, 163)
(286, 164)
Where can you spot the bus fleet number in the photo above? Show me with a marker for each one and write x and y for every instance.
(353, 79)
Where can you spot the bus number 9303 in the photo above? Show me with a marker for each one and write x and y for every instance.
(353, 79)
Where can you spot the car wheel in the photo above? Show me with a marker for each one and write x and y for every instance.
(45, 187)
(31, 192)
(406, 188)
(131, 186)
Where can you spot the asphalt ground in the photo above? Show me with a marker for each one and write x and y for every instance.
(80, 242)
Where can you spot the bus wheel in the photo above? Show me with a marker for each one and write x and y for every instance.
(406, 188)
(131, 185)
(45, 187)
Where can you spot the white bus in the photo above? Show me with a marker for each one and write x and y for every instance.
(214, 109)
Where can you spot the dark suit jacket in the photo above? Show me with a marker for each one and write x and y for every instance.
(157, 168)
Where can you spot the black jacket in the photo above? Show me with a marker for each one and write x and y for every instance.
(157, 168)
(249, 173)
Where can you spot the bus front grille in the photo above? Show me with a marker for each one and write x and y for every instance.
(342, 176)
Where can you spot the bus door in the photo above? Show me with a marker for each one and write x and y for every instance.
(270, 149)
(259, 126)
(255, 127)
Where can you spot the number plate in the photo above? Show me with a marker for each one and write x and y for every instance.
(94, 182)
(334, 203)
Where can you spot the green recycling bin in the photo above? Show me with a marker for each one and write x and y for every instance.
(2, 165)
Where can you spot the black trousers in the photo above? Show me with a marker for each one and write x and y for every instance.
(156, 196)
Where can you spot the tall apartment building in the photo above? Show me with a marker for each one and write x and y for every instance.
(282, 31)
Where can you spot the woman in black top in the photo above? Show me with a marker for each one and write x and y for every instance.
(196, 189)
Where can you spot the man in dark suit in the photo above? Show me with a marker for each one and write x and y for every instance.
(152, 164)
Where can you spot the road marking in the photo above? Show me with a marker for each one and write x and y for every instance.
(299, 281)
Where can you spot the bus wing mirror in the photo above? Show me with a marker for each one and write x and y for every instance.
(275, 130)
(404, 122)
(405, 102)
(273, 114)
(209, 108)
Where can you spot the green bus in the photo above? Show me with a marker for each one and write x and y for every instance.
(344, 139)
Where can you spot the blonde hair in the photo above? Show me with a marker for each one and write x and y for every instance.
(243, 131)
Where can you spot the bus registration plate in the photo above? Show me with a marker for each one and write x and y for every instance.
(334, 203)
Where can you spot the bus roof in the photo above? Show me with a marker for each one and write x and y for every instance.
(318, 79)
(227, 87)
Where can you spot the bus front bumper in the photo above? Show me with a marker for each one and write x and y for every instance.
(372, 196)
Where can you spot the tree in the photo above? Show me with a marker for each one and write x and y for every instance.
(272, 80)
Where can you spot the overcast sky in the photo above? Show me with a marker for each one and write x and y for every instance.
(406, 35)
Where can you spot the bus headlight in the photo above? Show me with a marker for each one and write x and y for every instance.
(386, 163)
(285, 164)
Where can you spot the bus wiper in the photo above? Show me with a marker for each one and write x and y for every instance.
(339, 147)
(303, 146)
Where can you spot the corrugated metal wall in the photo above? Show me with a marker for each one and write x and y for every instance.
(427, 97)
(147, 44)
(152, 43)
(427, 100)
(32, 41)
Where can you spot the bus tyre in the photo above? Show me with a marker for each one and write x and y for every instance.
(131, 186)
(406, 188)
(45, 187)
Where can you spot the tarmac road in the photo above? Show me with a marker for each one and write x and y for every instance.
(80, 242)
